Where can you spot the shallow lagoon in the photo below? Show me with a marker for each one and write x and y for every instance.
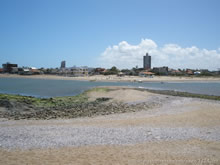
(53, 88)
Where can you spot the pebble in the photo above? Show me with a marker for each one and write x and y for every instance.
(44, 136)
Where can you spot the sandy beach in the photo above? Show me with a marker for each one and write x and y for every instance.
(113, 78)
(177, 130)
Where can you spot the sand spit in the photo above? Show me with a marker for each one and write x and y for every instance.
(95, 102)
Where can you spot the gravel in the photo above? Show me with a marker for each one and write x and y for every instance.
(50, 134)
(26, 137)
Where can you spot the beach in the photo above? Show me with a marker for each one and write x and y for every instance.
(109, 82)
(159, 129)
(114, 78)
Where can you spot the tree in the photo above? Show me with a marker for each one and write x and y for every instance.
(114, 69)
(111, 71)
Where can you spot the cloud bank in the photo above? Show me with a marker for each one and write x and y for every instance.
(125, 55)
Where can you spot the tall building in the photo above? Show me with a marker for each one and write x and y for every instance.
(63, 64)
(147, 61)
(9, 67)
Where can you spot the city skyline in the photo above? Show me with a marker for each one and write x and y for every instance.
(178, 34)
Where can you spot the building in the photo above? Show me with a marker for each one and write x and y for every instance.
(121, 74)
(189, 72)
(146, 74)
(63, 64)
(9, 67)
(197, 73)
(24, 71)
(34, 70)
(147, 62)
(79, 71)
(174, 72)
(161, 70)
(98, 71)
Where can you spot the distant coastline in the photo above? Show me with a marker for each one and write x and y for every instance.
(114, 78)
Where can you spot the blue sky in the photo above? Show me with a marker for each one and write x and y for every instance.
(42, 33)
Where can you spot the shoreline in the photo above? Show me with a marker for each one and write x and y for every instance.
(156, 91)
(114, 78)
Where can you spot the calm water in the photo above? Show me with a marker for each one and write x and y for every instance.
(52, 88)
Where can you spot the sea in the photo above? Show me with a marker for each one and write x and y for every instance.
(46, 88)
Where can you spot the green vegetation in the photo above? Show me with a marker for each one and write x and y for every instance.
(112, 71)
(45, 102)
(24, 107)
(66, 102)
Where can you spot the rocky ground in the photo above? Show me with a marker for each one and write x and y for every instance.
(155, 129)
(95, 102)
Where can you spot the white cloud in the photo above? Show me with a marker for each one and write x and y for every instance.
(125, 55)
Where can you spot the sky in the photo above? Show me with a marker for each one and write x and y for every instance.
(106, 33)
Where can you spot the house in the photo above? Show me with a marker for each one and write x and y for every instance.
(189, 72)
(98, 71)
(24, 71)
(8, 67)
(14, 70)
(34, 70)
(197, 73)
(175, 72)
(146, 74)
(121, 74)
(79, 71)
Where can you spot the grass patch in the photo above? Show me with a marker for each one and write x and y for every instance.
(54, 102)
(46, 102)
(19, 98)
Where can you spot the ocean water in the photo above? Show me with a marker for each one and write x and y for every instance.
(54, 88)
